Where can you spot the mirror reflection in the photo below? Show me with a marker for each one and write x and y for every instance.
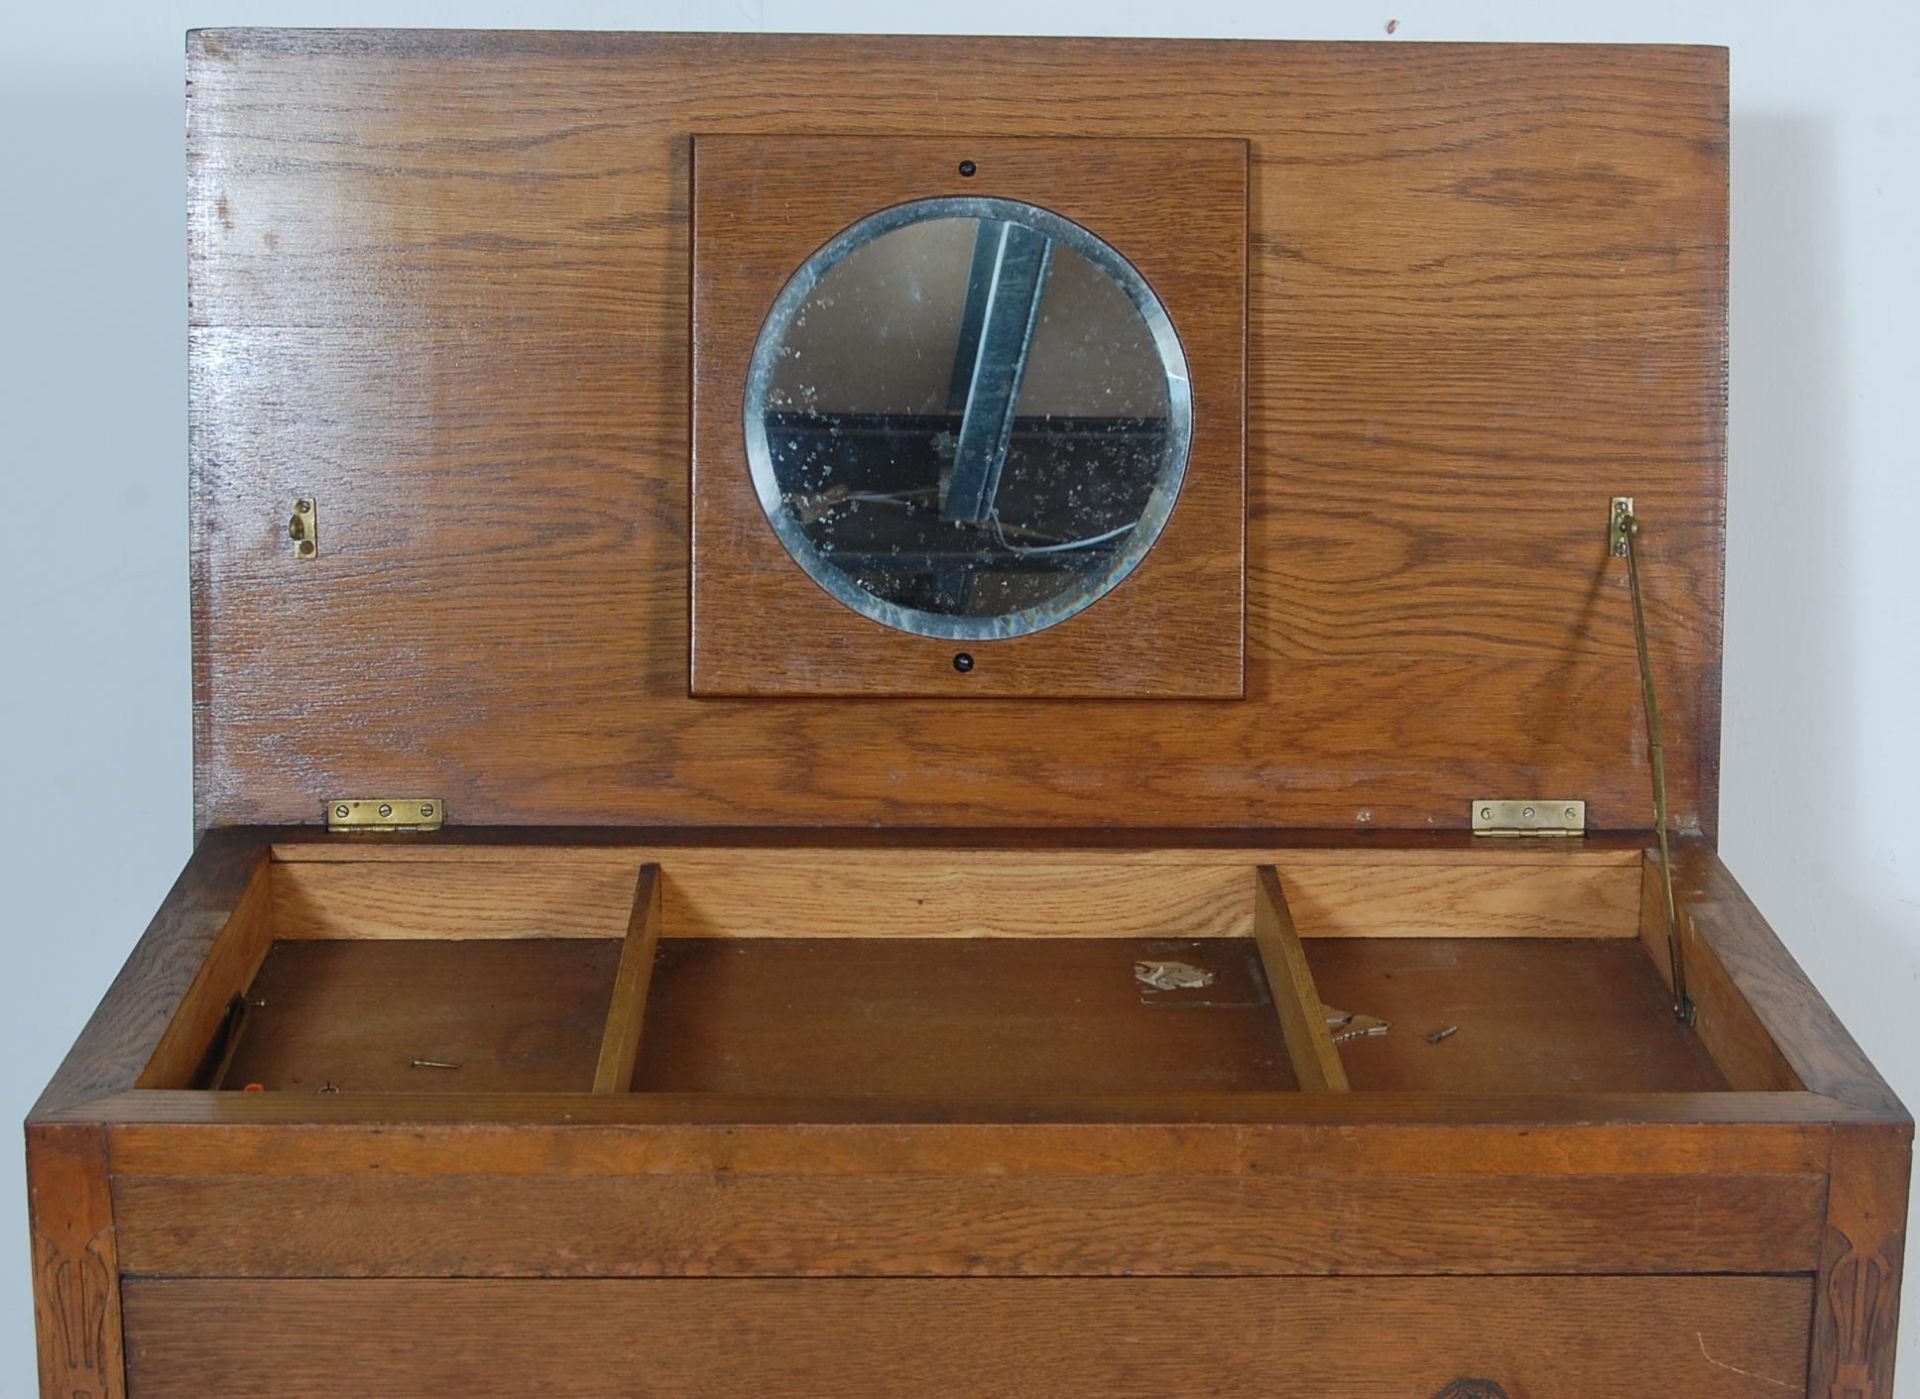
(968, 417)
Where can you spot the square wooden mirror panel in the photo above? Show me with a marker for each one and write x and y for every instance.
(1173, 210)
(811, 1011)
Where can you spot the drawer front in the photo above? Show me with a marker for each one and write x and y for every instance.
(1035, 1220)
(1318, 1338)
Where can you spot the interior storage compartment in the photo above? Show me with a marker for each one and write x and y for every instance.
(961, 1017)
(1511, 1015)
(425, 1016)
(956, 976)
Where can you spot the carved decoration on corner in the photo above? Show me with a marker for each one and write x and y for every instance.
(1861, 1291)
(77, 1290)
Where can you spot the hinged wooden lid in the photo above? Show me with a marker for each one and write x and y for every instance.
(440, 291)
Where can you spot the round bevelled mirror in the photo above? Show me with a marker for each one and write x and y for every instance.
(967, 418)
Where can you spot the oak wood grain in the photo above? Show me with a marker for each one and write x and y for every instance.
(1817, 1048)
(227, 970)
(257, 1117)
(1017, 1223)
(1600, 1338)
(454, 307)
(76, 1263)
(123, 1034)
(1403, 894)
(199, 1134)
(1494, 889)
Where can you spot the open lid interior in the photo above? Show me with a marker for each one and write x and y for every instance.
(441, 288)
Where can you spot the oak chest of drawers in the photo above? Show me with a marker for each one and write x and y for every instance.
(959, 716)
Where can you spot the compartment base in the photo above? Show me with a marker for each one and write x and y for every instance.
(958, 1018)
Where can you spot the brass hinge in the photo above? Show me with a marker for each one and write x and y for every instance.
(385, 814)
(1529, 818)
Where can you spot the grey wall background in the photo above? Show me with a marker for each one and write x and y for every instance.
(1821, 819)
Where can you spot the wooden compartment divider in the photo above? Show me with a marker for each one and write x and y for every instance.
(626, 1012)
(1303, 1020)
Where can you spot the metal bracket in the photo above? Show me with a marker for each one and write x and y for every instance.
(1537, 817)
(303, 528)
(1618, 514)
(385, 814)
(1623, 533)
(1344, 1025)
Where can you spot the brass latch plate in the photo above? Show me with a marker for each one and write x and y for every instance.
(385, 814)
(1529, 818)
(1619, 521)
(303, 528)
